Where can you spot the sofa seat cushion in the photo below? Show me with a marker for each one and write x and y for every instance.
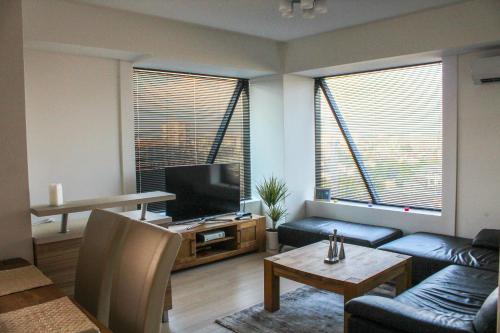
(314, 229)
(376, 314)
(433, 252)
(455, 291)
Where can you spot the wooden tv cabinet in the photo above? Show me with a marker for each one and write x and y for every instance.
(241, 236)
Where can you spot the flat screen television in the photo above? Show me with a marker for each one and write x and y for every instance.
(203, 190)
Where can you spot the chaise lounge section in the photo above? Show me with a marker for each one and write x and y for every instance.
(457, 299)
(314, 229)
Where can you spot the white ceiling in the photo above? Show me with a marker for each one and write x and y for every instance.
(261, 17)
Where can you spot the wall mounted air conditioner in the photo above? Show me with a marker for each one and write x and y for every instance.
(486, 70)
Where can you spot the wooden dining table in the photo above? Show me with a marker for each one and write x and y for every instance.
(35, 296)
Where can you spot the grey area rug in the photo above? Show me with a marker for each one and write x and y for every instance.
(303, 310)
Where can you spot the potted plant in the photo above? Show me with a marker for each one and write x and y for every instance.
(273, 192)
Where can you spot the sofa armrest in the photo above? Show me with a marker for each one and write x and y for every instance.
(404, 317)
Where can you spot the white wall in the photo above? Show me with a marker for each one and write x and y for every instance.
(282, 136)
(266, 129)
(15, 227)
(148, 40)
(443, 30)
(299, 142)
(72, 111)
(478, 195)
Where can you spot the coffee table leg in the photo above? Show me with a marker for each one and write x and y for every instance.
(271, 288)
(403, 281)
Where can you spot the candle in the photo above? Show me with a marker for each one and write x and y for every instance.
(55, 194)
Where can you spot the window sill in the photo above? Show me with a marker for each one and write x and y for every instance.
(380, 208)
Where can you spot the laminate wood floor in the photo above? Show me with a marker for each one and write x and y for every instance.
(205, 293)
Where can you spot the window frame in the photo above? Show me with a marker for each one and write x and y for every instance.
(240, 94)
(320, 87)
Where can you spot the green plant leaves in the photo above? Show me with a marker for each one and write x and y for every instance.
(273, 191)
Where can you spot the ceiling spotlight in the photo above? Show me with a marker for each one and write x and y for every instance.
(309, 7)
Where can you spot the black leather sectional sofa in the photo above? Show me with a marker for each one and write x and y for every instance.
(457, 299)
(455, 288)
(454, 279)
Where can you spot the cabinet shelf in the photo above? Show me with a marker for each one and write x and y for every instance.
(215, 241)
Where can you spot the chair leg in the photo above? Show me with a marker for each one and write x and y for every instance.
(164, 317)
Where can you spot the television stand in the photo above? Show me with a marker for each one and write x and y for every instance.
(241, 236)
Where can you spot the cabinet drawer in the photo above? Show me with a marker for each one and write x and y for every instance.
(58, 261)
(248, 234)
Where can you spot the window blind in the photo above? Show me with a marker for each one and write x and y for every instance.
(188, 119)
(379, 136)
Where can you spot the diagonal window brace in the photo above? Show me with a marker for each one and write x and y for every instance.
(349, 140)
(226, 119)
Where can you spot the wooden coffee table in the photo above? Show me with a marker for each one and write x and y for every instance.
(363, 269)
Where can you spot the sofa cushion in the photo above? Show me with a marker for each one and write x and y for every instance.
(487, 238)
(486, 318)
(433, 252)
(314, 229)
(381, 314)
(455, 291)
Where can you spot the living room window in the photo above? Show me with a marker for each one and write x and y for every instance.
(189, 119)
(379, 136)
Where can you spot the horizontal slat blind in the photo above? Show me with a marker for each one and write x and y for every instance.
(236, 144)
(394, 119)
(177, 117)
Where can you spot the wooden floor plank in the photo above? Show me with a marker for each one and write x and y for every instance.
(203, 294)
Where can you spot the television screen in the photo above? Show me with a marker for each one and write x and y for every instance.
(203, 190)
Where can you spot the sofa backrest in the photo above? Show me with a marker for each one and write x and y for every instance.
(487, 238)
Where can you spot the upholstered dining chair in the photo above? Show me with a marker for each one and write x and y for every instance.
(98, 253)
(140, 278)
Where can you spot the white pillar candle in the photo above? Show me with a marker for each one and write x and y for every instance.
(55, 194)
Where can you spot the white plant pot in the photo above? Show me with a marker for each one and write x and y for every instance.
(269, 222)
(272, 241)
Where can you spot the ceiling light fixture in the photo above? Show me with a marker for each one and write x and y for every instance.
(309, 7)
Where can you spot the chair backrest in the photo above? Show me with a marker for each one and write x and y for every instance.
(141, 277)
(98, 252)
